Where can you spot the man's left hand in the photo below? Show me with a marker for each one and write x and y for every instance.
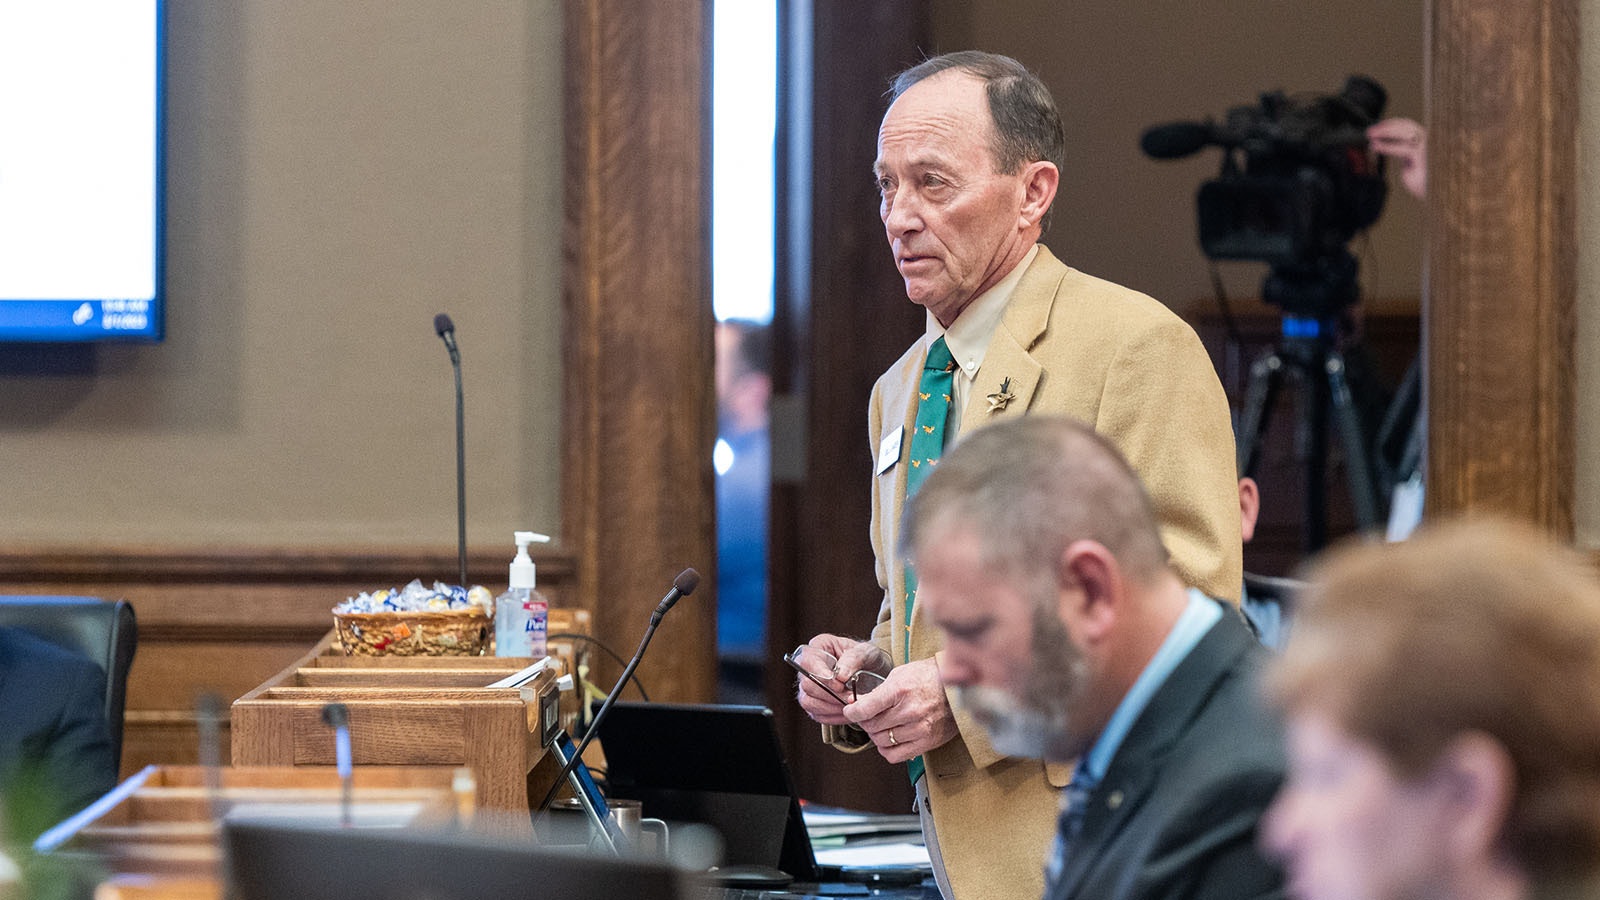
(908, 715)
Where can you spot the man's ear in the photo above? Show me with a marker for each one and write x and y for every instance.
(1090, 587)
(1476, 780)
(1040, 179)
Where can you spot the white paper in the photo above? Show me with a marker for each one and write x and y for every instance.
(901, 854)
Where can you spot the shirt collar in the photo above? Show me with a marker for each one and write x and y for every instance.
(968, 336)
(1197, 618)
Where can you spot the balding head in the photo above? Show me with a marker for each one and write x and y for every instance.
(1032, 486)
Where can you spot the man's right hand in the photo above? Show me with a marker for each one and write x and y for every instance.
(853, 656)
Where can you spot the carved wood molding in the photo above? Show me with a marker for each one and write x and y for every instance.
(639, 417)
(1502, 258)
(202, 564)
(250, 595)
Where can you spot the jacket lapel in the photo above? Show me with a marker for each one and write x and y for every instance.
(1131, 778)
(1010, 376)
(900, 406)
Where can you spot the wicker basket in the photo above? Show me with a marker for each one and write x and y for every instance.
(457, 632)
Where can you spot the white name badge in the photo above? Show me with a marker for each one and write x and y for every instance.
(889, 449)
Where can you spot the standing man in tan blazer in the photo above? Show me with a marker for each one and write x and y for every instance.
(969, 159)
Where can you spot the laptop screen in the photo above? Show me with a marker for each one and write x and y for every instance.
(718, 765)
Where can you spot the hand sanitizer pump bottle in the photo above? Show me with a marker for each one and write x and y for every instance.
(522, 614)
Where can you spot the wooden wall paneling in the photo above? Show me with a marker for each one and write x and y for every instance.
(223, 621)
(639, 417)
(842, 318)
(1498, 322)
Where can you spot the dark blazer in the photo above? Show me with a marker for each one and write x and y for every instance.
(1176, 814)
(55, 746)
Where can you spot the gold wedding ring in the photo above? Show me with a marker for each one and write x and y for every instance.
(892, 741)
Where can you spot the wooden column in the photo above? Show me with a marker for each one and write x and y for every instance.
(639, 408)
(1498, 319)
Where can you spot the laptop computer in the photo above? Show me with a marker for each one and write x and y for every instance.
(718, 765)
(277, 861)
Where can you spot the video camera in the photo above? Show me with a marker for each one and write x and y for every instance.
(1298, 181)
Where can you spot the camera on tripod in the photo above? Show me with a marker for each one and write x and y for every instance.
(1298, 181)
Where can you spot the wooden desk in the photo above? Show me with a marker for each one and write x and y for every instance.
(404, 711)
(157, 833)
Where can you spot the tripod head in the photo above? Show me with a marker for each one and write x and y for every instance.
(1321, 289)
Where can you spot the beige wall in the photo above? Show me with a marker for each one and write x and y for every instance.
(1117, 67)
(337, 173)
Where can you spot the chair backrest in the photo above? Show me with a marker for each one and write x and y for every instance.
(1269, 604)
(102, 630)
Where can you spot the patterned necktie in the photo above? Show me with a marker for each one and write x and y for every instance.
(1074, 804)
(934, 393)
(933, 410)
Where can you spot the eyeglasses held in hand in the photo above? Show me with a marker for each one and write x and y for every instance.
(806, 658)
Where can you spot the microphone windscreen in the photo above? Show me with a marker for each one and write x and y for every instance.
(1175, 140)
(336, 715)
(442, 324)
(686, 581)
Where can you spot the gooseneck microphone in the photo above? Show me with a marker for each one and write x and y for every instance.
(682, 586)
(447, 331)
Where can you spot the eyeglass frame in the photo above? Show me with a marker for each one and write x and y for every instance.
(852, 683)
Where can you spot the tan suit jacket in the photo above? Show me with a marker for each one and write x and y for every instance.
(1078, 346)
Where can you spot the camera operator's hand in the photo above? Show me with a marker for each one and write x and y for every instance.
(1407, 141)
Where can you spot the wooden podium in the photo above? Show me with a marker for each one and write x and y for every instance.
(404, 711)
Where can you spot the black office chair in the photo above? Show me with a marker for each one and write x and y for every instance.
(102, 630)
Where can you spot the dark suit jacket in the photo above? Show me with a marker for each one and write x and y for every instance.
(1176, 814)
(55, 746)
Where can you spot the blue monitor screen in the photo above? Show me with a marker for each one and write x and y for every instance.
(80, 171)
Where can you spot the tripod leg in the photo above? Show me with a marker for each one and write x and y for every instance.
(1265, 374)
(1358, 465)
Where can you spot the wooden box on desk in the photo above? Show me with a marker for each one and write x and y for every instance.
(160, 819)
(404, 711)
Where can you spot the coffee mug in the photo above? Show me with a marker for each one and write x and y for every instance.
(628, 816)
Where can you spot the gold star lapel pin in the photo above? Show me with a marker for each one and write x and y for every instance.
(1001, 398)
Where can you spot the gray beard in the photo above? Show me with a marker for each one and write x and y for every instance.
(1037, 725)
(1013, 730)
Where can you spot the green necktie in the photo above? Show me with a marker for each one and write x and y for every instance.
(933, 409)
(934, 393)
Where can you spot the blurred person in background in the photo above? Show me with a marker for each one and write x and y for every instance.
(743, 465)
(1442, 698)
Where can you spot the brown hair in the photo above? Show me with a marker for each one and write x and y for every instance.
(1480, 626)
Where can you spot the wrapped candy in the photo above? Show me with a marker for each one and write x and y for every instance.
(414, 597)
